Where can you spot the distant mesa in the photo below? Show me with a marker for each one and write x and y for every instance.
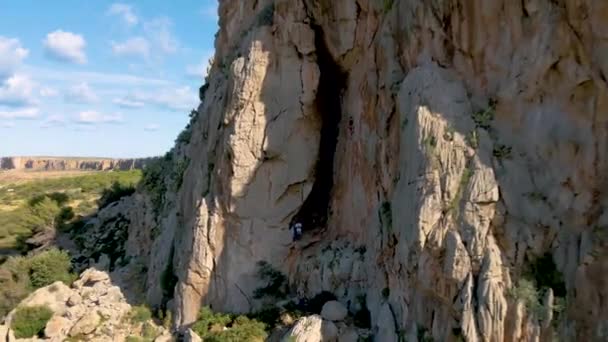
(71, 164)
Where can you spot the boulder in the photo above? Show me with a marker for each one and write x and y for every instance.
(329, 331)
(86, 324)
(56, 326)
(334, 311)
(74, 300)
(306, 329)
(90, 277)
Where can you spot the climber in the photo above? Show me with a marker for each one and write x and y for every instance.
(297, 231)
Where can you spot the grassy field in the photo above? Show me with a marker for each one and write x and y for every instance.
(30, 200)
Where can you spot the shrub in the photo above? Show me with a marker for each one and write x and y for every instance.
(388, 4)
(207, 319)
(546, 275)
(50, 266)
(30, 321)
(526, 292)
(115, 193)
(484, 118)
(153, 179)
(140, 314)
(276, 282)
(210, 327)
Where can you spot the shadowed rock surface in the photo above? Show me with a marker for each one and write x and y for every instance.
(448, 160)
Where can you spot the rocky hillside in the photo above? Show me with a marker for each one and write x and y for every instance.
(71, 164)
(448, 160)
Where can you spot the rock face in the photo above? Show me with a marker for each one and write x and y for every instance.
(440, 155)
(71, 164)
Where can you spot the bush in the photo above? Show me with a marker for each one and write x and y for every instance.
(140, 314)
(50, 266)
(153, 179)
(115, 193)
(210, 327)
(208, 320)
(30, 321)
(276, 282)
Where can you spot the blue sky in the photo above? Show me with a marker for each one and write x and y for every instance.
(100, 78)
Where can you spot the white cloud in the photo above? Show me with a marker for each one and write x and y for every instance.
(9, 124)
(81, 93)
(52, 76)
(151, 128)
(16, 91)
(91, 117)
(48, 92)
(11, 55)
(199, 71)
(174, 99)
(54, 121)
(137, 46)
(66, 46)
(125, 12)
(129, 102)
(21, 113)
(184, 98)
(159, 31)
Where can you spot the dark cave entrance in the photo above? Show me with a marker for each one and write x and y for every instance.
(314, 211)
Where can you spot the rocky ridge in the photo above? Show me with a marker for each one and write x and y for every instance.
(92, 309)
(71, 164)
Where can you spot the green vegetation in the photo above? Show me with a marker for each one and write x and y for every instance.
(19, 276)
(50, 266)
(210, 327)
(115, 193)
(484, 118)
(34, 206)
(276, 282)
(140, 314)
(153, 180)
(30, 321)
(388, 5)
(186, 134)
(161, 175)
(473, 139)
(430, 143)
(502, 151)
(541, 275)
(424, 335)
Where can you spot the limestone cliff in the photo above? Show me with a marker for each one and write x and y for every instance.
(448, 160)
(71, 164)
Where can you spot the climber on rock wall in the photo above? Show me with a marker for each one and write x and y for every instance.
(297, 231)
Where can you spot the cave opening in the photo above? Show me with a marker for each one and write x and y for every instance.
(314, 211)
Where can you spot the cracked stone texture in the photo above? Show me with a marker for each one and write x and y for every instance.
(436, 210)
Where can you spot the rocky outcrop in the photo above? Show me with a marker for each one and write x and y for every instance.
(447, 160)
(93, 309)
(71, 164)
